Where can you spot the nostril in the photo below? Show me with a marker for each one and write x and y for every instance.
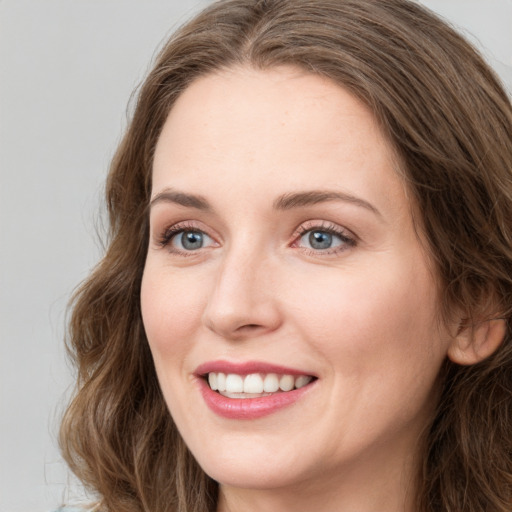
(248, 327)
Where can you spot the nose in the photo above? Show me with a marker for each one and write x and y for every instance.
(243, 301)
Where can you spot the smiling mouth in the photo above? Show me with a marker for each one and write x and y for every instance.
(255, 385)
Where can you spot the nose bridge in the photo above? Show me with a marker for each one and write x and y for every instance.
(240, 302)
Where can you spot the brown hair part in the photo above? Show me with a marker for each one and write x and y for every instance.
(449, 121)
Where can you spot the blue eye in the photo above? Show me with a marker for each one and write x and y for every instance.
(324, 240)
(190, 240)
(320, 240)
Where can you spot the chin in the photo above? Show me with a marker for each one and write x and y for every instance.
(244, 476)
(251, 471)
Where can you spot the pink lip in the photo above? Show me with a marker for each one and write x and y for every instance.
(247, 408)
(246, 368)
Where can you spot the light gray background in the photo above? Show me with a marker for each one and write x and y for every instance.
(67, 69)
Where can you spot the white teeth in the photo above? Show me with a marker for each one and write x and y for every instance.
(302, 381)
(286, 382)
(212, 380)
(255, 384)
(221, 382)
(234, 383)
(244, 395)
(271, 383)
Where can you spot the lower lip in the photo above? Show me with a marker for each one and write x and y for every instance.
(249, 408)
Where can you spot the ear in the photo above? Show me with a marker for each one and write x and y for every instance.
(473, 343)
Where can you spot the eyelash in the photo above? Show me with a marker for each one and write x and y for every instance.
(347, 239)
(165, 239)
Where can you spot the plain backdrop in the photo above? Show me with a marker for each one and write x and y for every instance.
(67, 71)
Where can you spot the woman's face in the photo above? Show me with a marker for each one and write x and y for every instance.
(283, 255)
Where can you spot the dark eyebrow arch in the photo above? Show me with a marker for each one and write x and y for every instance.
(284, 202)
(300, 199)
(182, 199)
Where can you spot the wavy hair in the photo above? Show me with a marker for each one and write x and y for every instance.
(450, 122)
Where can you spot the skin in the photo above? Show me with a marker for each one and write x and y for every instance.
(361, 316)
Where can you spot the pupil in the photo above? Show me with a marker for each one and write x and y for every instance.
(192, 240)
(320, 240)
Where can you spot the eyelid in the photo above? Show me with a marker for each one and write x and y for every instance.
(348, 237)
(163, 237)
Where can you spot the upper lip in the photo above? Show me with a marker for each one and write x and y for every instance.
(247, 367)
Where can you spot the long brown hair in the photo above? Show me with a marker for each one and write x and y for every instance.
(450, 123)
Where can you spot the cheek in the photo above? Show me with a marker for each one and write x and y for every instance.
(371, 322)
(170, 312)
(380, 340)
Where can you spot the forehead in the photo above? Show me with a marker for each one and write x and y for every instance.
(281, 128)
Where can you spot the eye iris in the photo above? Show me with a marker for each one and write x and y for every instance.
(320, 240)
(192, 240)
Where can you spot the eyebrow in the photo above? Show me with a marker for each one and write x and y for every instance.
(182, 199)
(285, 202)
(299, 199)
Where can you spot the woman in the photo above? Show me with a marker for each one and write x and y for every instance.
(305, 301)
